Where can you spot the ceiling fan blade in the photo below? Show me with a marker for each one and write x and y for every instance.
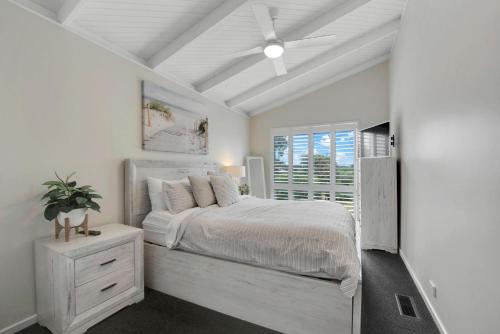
(311, 42)
(279, 66)
(258, 49)
(264, 20)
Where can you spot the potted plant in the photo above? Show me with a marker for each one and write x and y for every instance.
(244, 190)
(66, 200)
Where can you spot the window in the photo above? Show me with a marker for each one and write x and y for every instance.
(321, 195)
(300, 195)
(346, 199)
(321, 158)
(300, 170)
(344, 157)
(323, 164)
(280, 194)
(280, 171)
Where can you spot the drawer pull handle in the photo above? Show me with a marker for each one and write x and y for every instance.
(108, 287)
(108, 262)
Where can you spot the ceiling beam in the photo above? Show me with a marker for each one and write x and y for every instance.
(303, 92)
(314, 25)
(321, 60)
(69, 11)
(208, 23)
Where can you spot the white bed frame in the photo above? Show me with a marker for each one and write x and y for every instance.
(281, 301)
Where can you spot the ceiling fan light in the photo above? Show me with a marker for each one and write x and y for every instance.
(273, 50)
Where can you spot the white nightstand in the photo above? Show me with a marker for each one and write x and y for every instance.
(85, 280)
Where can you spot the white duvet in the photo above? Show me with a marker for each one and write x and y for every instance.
(311, 238)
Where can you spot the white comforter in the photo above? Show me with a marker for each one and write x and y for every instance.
(311, 238)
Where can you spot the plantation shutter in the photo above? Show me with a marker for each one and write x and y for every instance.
(281, 194)
(321, 157)
(344, 158)
(280, 166)
(316, 163)
(300, 170)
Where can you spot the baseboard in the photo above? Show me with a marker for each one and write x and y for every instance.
(20, 325)
(426, 299)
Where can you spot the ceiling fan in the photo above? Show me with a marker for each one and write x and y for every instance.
(274, 47)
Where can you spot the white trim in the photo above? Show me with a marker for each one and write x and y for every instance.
(314, 25)
(207, 24)
(69, 11)
(338, 126)
(421, 289)
(300, 93)
(326, 58)
(20, 325)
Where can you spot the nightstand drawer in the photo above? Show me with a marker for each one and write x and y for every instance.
(91, 267)
(98, 291)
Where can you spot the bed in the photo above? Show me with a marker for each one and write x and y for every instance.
(282, 300)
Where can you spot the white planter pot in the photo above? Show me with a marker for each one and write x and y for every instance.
(76, 217)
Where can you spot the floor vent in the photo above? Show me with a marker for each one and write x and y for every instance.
(406, 306)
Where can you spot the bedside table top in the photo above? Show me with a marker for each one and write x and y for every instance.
(110, 233)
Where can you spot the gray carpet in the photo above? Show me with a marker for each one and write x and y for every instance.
(383, 275)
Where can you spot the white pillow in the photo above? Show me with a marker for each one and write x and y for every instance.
(225, 189)
(157, 196)
(180, 196)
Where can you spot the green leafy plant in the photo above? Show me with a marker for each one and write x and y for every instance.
(244, 190)
(64, 196)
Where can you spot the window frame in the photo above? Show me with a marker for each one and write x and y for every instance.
(311, 187)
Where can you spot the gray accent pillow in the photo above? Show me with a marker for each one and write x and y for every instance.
(179, 196)
(225, 189)
(202, 190)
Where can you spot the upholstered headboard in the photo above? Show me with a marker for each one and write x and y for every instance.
(137, 204)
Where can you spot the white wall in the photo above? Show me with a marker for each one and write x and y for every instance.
(68, 105)
(445, 109)
(362, 97)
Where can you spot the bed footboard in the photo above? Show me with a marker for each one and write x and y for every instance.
(284, 302)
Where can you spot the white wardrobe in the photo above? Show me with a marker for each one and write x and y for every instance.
(378, 203)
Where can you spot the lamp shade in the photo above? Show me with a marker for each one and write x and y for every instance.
(236, 171)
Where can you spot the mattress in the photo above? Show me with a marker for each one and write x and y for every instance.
(157, 225)
(155, 234)
(308, 238)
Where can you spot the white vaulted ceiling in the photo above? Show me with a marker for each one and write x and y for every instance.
(190, 40)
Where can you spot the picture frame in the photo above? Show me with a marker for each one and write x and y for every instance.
(169, 124)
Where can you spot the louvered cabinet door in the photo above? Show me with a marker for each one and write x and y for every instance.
(378, 203)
